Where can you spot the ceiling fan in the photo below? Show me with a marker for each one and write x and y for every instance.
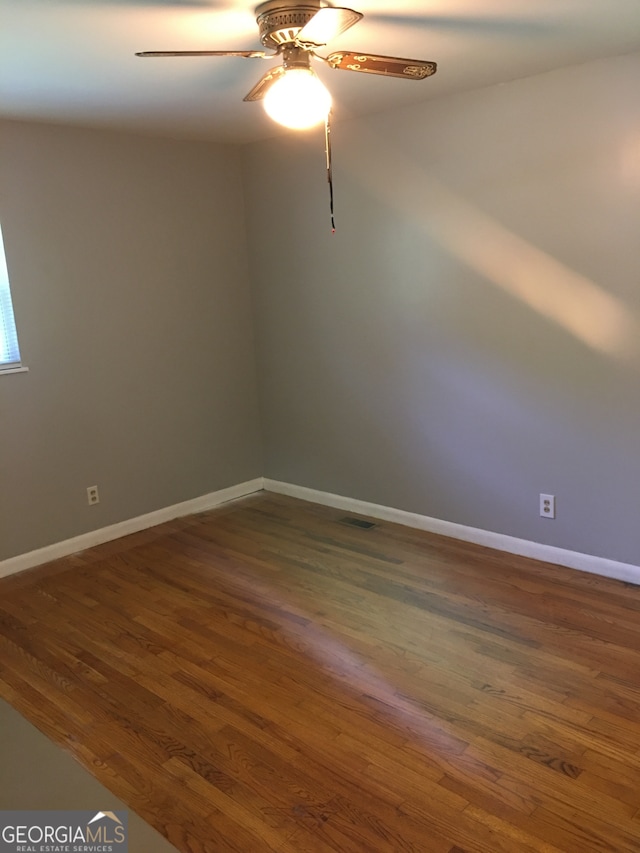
(291, 92)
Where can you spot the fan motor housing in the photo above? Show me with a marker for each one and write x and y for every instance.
(280, 23)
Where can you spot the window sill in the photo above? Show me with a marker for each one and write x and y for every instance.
(20, 369)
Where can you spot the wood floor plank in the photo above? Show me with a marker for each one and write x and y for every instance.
(265, 677)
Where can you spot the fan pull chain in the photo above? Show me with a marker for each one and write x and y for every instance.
(327, 148)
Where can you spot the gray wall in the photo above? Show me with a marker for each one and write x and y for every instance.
(469, 337)
(127, 258)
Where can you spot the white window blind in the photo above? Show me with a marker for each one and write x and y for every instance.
(9, 350)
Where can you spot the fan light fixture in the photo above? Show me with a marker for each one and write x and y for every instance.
(298, 99)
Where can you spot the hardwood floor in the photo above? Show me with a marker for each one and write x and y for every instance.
(265, 677)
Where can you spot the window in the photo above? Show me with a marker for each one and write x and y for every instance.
(9, 351)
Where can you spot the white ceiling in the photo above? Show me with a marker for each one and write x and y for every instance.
(73, 60)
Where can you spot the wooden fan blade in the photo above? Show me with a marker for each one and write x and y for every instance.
(389, 66)
(264, 84)
(326, 24)
(249, 54)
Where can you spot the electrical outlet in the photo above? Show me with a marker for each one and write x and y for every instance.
(92, 495)
(548, 506)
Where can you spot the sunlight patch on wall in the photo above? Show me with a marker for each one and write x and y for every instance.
(579, 305)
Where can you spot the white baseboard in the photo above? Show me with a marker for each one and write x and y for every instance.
(124, 528)
(521, 547)
(510, 544)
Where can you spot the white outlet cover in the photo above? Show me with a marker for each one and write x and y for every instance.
(547, 506)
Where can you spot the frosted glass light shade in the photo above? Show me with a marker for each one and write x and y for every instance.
(298, 99)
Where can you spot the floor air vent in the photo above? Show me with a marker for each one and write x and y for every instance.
(358, 522)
